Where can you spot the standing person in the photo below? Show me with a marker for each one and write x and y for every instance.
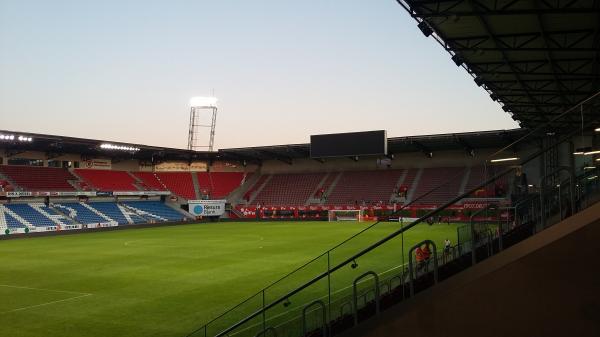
(447, 245)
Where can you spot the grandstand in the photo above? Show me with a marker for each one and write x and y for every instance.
(97, 192)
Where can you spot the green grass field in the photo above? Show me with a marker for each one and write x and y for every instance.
(167, 281)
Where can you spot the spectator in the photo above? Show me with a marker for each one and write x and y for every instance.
(426, 255)
(420, 257)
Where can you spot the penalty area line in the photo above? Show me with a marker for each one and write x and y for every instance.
(43, 289)
(47, 303)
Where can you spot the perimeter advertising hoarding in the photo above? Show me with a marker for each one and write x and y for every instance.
(207, 207)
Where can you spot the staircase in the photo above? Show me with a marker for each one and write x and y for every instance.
(394, 197)
(196, 185)
(259, 189)
(410, 196)
(314, 200)
(100, 214)
(236, 195)
(465, 180)
(56, 218)
(141, 213)
(11, 182)
(333, 185)
(17, 217)
(138, 182)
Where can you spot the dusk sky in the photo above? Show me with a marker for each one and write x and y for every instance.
(282, 70)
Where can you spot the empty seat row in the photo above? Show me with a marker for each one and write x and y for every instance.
(108, 180)
(156, 208)
(34, 178)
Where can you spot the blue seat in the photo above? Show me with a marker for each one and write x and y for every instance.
(83, 215)
(28, 213)
(156, 208)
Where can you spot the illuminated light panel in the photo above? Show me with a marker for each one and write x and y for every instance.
(108, 146)
(504, 159)
(202, 102)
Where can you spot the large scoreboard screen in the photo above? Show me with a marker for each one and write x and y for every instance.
(368, 143)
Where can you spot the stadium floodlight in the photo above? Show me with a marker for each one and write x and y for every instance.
(591, 152)
(24, 139)
(203, 102)
(504, 159)
(593, 177)
(597, 129)
(7, 137)
(203, 119)
(109, 146)
(590, 167)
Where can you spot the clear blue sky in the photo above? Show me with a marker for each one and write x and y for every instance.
(282, 70)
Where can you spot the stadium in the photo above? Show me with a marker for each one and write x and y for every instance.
(360, 233)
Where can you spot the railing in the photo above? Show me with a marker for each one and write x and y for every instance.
(386, 250)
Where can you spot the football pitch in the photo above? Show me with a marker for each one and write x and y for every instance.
(168, 281)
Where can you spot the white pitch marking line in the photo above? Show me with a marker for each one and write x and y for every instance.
(47, 303)
(43, 289)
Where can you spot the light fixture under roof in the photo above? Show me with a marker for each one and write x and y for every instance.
(504, 159)
(7, 137)
(109, 146)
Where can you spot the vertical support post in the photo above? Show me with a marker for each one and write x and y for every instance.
(264, 314)
(328, 293)
(573, 178)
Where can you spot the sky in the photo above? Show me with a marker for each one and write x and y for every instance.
(124, 70)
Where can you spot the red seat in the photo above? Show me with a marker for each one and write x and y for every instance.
(180, 183)
(35, 178)
(108, 180)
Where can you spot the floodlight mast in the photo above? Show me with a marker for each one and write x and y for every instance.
(201, 109)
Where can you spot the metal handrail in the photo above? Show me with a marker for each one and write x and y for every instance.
(324, 317)
(355, 293)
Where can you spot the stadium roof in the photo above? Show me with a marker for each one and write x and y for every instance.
(53, 146)
(56, 145)
(426, 144)
(536, 57)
